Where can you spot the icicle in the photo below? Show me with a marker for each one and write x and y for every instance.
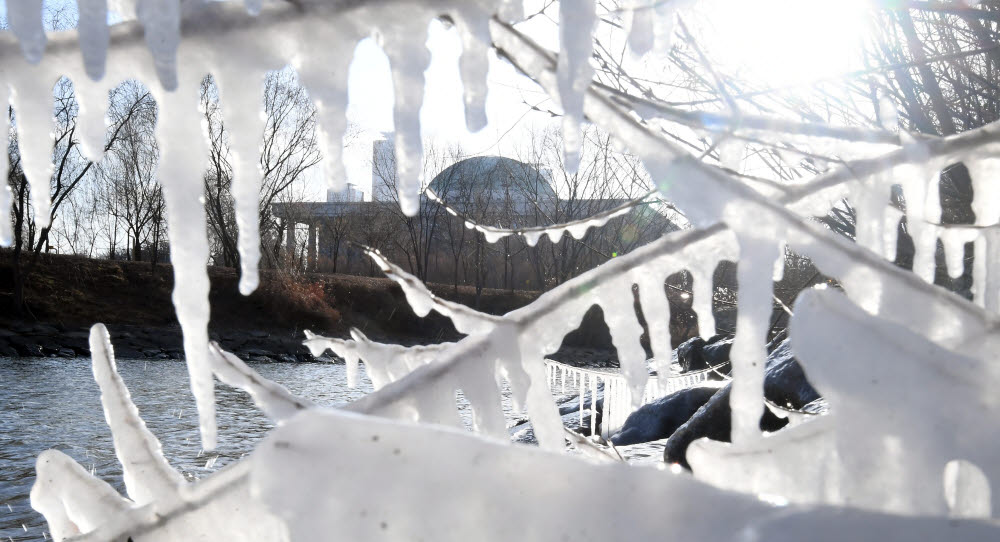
(517, 350)
(325, 75)
(663, 26)
(577, 19)
(25, 18)
(703, 291)
(483, 393)
(253, 6)
(31, 97)
(92, 98)
(620, 317)
(161, 22)
(147, 474)
(408, 65)
(492, 236)
(985, 173)
(954, 240)
(888, 117)
(891, 217)
(511, 11)
(242, 110)
(749, 352)
(6, 196)
(555, 235)
(967, 490)
(181, 165)
(594, 380)
(582, 386)
(991, 286)
(731, 152)
(474, 62)
(922, 208)
(979, 270)
(640, 36)
(94, 35)
(779, 264)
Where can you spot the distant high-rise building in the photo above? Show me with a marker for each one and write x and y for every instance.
(383, 170)
(350, 194)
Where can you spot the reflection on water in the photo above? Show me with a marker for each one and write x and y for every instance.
(55, 403)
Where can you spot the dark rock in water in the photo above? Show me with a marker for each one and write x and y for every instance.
(696, 354)
(659, 419)
(784, 384)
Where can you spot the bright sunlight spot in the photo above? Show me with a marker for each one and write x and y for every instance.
(784, 42)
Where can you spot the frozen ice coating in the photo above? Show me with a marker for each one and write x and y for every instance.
(888, 116)
(474, 63)
(967, 490)
(532, 234)
(25, 18)
(296, 466)
(916, 433)
(161, 23)
(748, 356)
(147, 474)
(882, 448)
(6, 196)
(641, 36)
(72, 501)
(92, 100)
(253, 6)
(31, 97)
(625, 333)
(577, 19)
(408, 64)
(246, 131)
(954, 240)
(422, 301)
(183, 158)
(702, 292)
(653, 299)
(731, 152)
(325, 75)
(94, 35)
(271, 398)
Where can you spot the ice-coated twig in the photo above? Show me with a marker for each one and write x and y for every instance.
(72, 500)
(714, 121)
(836, 255)
(272, 398)
(531, 234)
(385, 362)
(148, 476)
(422, 300)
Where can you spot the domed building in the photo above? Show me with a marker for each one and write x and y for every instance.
(494, 181)
(491, 190)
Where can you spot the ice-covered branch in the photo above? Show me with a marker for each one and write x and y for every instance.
(273, 399)
(147, 474)
(423, 301)
(531, 234)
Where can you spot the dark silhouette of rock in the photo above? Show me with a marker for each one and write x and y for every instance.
(696, 354)
(659, 419)
(784, 384)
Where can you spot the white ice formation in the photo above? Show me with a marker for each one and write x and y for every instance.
(908, 367)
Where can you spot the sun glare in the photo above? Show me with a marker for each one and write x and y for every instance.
(783, 42)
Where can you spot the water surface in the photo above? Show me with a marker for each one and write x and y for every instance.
(55, 403)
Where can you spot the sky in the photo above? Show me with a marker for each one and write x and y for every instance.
(749, 37)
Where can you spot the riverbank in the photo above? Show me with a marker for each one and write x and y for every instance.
(65, 295)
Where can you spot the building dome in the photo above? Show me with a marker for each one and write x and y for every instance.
(492, 178)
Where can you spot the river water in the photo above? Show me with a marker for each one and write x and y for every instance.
(55, 403)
